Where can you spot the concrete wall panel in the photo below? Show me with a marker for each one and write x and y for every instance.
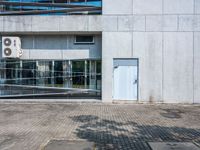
(117, 7)
(17, 24)
(48, 24)
(1, 23)
(44, 23)
(147, 7)
(110, 23)
(170, 23)
(74, 23)
(178, 6)
(115, 45)
(148, 48)
(76, 54)
(95, 23)
(197, 67)
(107, 71)
(189, 23)
(154, 23)
(125, 23)
(120, 44)
(197, 6)
(186, 23)
(68, 54)
(45, 54)
(107, 79)
(139, 23)
(178, 67)
(197, 23)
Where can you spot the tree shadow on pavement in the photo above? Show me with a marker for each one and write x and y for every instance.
(110, 134)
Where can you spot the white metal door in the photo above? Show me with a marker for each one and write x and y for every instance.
(125, 83)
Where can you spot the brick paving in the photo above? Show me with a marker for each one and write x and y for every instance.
(32, 126)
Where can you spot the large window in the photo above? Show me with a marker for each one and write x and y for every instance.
(53, 7)
(50, 77)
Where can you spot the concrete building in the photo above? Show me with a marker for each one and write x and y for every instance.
(147, 50)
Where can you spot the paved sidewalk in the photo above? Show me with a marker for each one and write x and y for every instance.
(32, 126)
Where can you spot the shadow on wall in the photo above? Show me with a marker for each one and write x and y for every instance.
(109, 134)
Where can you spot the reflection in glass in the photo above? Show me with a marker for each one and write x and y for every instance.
(23, 77)
(78, 74)
(12, 72)
(44, 73)
(67, 74)
(98, 75)
(25, 7)
(28, 73)
(58, 73)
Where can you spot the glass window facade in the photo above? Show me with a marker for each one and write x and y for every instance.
(50, 7)
(50, 78)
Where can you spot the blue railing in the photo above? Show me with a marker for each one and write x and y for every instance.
(50, 7)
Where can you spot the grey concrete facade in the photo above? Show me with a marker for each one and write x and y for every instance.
(163, 34)
(59, 47)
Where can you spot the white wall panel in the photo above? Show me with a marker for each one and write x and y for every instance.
(148, 48)
(147, 6)
(125, 23)
(186, 23)
(117, 7)
(170, 23)
(197, 6)
(178, 67)
(115, 45)
(139, 23)
(154, 23)
(178, 6)
(197, 67)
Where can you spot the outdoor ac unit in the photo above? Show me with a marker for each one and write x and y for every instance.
(11, 47)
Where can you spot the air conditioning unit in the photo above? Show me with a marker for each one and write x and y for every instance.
(11, 47)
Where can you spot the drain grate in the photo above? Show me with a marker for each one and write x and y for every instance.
(69, 145)
(173, 146)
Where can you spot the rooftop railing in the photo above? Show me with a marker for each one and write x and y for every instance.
(50, 7)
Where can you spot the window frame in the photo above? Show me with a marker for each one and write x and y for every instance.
(92, 42)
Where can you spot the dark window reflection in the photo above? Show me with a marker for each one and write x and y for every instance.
(58, 73)
(12, 72)
(49, 76)
(78, 74)
(29, 73)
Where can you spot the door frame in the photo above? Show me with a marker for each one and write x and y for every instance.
(138, 79)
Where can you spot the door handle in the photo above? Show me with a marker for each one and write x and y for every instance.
(135, 82)
(115, 67)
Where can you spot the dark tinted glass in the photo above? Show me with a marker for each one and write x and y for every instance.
(50, 78)
(84, 39)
